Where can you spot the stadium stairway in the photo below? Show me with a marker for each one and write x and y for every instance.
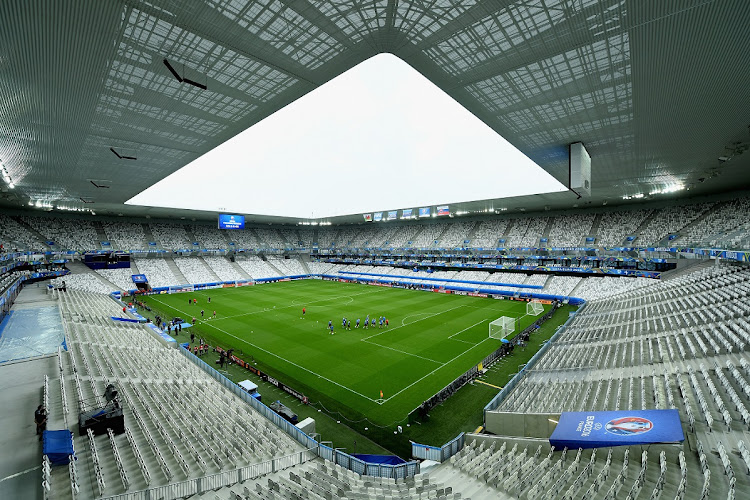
(101, 234)
(225, 235)
(149, 235)
(508, 228)
(210, 271)
(81, 268)
(265, 259)
(547, 283)
(191, 235)
(701, 217)
(240, 271)
(593, 233)
(176, 271)
(440, 236)
(416, 235)
(547, 228)
(43, 239)
(303, 260)
(578, 285)
(687, 267)
(644, 224)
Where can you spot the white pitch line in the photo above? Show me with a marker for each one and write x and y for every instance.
(397, 327)
(436, 369)
(402, 352)
(280, 357)
(462, 331)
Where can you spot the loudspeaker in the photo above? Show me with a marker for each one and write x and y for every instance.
(579, 170)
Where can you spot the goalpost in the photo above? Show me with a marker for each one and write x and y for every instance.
(534, 308)
(502, 327)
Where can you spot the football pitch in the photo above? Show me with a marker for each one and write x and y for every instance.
(432, 338)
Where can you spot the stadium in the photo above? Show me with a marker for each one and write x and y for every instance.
(307, 249)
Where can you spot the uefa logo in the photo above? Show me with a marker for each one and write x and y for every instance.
(627, 426)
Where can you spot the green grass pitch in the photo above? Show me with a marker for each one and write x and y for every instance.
(432, 338)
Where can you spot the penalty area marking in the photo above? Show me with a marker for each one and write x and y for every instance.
(431, 315)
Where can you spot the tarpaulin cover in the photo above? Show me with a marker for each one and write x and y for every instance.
(597, 429)
(58, 446)
(380, 459)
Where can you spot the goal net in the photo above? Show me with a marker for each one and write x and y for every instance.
(502, 327)
(534, 308)
(181, 288)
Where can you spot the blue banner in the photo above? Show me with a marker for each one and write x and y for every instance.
(406, 213)
(392, 214)
(424, 212)
(227, 221)
(139, 278)
(377, 216)
(443, 210)
(601, 429)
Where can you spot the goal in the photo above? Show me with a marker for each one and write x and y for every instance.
(181, 288)
(534, 308)
(502, 327)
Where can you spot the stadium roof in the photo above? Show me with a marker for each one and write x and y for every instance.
(657, 91)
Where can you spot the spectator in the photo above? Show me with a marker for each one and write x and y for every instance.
(40, 418)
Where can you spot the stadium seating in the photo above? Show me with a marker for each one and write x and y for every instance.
(561, 285)
(670, 220)
(14, 236)
(427, 236)
(223, 268)
(85, 283)
(209, 237)
(326, 236)
(346, 236)
(271, 238)
(256, 267)
(125, 235)
(157, 271)
(195, 270)
(122, 278)
(170, 434)
(594, 288)
(487, 233)
(455, 235)
(290, 267)
(615, 226)
(68, 234)
(569, 230)
(171, 236)
(244, 239)
(724, 227)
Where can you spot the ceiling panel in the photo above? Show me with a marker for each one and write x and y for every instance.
(656, 90)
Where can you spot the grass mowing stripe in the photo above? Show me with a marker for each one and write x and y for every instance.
(338, 370)
(467, 328)
(277, 356)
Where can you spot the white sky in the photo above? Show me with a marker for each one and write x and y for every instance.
(378, 137)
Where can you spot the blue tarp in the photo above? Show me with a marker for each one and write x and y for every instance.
(58, 446)
(380, 459)
(599, 429)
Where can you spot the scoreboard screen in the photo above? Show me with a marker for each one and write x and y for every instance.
(227, 221)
